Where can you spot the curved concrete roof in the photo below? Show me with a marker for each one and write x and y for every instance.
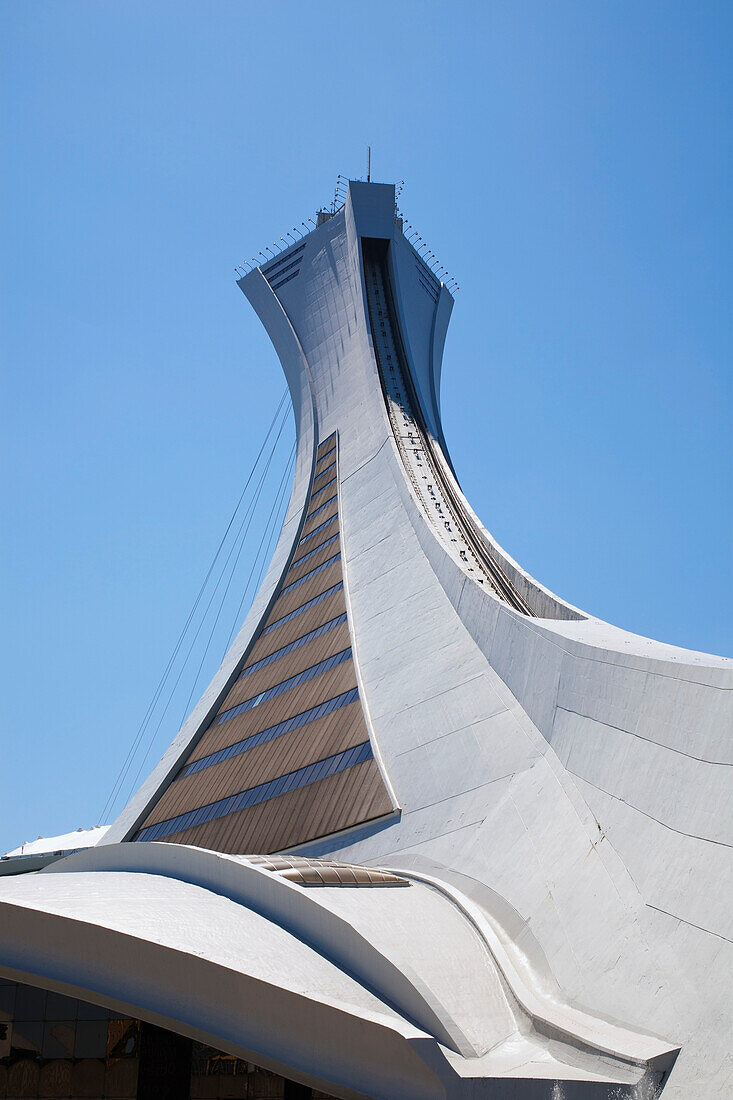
(364, 991)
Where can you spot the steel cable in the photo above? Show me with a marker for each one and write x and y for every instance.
(127, 763)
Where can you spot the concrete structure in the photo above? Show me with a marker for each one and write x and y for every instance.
(504, 827)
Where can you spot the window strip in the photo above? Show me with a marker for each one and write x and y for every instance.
(313, 573)
(269, 734)
(301, 777)
(283, 259)
(324, 456)
(312, 534)
(276, 286)
(304, 607)
(321, 507)
(326, 469)
(281, 271)
(303, 640)
(316, 550)
(317, 492)
(281, 688)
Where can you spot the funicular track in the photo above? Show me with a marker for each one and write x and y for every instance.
(432, 484)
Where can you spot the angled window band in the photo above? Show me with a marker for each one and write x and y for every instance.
(321, 507)
(313, 573)
(285, 685)
(287, 267)
(276, 267)
(323, 488)
(325, 470)
(303, 607)
(269, 734)
(302, 777)
(276, 286)
(303, 640)
(316, 550)
(324, 456)
(312, 534)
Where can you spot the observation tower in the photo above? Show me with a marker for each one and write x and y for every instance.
(431, 831)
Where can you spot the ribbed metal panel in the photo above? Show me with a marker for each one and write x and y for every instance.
(309, 619)
(330, 684)
(320, 516)
(309, 588)
(294, 662)
(337, 731)
(316, 555)
(253, 741)
(335, 803)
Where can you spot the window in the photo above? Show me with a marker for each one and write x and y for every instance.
(292, 645)
(317, 550)
(302, 777)
(312, 534)
(313, 573)
(322, 507)
(269, 734)
(285, 685)
(304, 607)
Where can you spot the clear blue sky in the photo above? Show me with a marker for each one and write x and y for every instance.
(570, 162)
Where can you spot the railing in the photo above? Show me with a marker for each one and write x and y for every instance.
(430, 480)
(418, 243)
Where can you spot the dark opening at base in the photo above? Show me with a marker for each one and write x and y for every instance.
(56, 1046)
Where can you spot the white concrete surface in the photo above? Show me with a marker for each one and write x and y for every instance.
(569, 781)
(383, 992)
(578, 772)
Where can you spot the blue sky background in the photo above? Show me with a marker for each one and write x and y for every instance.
(570, 163)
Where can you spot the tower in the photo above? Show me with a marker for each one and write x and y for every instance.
(485, 831)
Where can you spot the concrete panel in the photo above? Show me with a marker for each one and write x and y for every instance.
(577, 773)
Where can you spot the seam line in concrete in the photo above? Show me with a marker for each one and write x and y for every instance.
(651, 817)
(449, 733)
(689, 923)
(648, 740)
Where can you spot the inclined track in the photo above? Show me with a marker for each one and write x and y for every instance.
(431, 485)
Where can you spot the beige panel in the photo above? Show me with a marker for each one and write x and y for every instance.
(328, 735)
(298, 626)
(281, 827)
(307, 590)
(326, 446)
(316, 521)
(325, 471)
(333, 641)
(326, 488)
(329, 684)
(326, 468)
(298, 570)
(319, 499)
(297, 816)
(315, 542)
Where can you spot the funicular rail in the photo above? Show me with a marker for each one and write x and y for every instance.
(431, 482)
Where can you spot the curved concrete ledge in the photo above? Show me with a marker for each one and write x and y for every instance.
(410, 985)
(548, 1015)
(302, 912)
(356, 1054)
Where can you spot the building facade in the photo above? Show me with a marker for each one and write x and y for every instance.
(431, 831)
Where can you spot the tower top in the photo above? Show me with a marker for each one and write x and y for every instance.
(344, 187)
